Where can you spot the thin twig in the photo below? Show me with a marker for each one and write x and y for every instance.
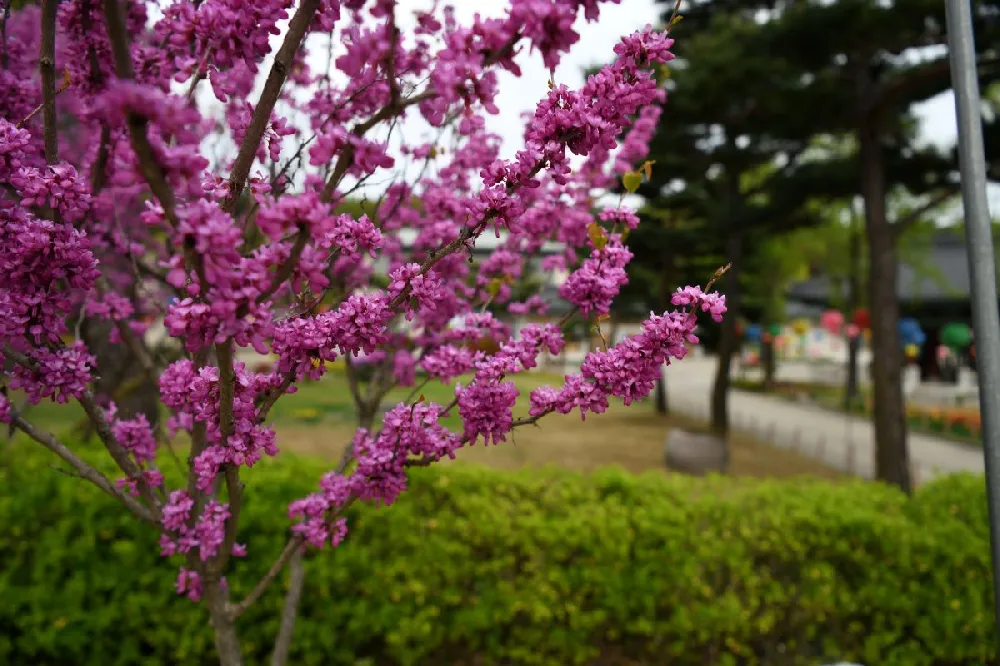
(293, 546)
(151, 170)
(288, 267)
(84, 470)
(199, 73)
(283, 62)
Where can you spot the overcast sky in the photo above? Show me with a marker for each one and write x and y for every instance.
(595, 48)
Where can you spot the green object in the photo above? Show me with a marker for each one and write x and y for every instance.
(774, 329)
(632, 180)
(530, 567)
(956, 335)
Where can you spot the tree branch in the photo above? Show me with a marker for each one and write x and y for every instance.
(137, 125)
(234, 487)
(296, 578)
(103, 430)
(117, 451)
(900, 226)
(283, 61)
(346, 156)
(293, 546)
(286, 269)
(84, 470)
(47, 69)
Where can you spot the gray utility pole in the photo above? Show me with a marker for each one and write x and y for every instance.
(982, 261)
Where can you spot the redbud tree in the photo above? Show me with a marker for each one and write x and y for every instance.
(113, 208)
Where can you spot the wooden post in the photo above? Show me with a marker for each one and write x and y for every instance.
(851, 454)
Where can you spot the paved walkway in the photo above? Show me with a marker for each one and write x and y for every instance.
(843, 442)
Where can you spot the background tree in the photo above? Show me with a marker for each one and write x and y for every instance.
(871, 61)
(733, 111)
(869, 49)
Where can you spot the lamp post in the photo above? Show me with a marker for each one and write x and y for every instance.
(982, 262)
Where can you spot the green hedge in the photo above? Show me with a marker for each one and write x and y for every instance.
(483, 567)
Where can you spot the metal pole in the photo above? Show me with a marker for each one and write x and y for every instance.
(982, 261)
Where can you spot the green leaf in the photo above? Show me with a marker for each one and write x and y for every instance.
(631, 180)
(597, 235)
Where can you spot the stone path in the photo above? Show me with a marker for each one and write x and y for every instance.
(843, 442)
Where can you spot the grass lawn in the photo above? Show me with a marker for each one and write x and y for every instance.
(318, 420)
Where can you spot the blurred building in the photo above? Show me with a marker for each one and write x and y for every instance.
(935, 293)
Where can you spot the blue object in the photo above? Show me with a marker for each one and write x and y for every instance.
(752, 333)
(910, 332)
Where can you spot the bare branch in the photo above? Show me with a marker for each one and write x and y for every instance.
(47, 69)
(283, 61)
(199, 73)
(293, 546)
(296, 578)
(346, 156)
(84, 470)
(234, 487)
(137, 125)
(900, 226)
(117, 451)
(286, 269)
(390, 62)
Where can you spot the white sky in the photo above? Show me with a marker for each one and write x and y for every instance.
(937, 116)
(595, 47)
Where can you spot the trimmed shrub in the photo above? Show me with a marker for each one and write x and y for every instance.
(475, 566)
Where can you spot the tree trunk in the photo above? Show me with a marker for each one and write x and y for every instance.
(853, 303)
(120, 375)
(891, 454)
(728, 338)
(227, 641)
(768, 363)
(662, 408)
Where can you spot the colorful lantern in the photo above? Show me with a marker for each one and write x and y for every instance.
(956, 335)
(912, 351)
(832, 321)
(853, 331)
(801, 326)
(752, 333)
(910, 332)
(767, 338)
(862, 319)
(774, 330)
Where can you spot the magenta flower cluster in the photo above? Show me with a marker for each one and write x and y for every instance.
(135, 199)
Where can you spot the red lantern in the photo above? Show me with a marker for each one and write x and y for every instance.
(767, 338)
(862, 319)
